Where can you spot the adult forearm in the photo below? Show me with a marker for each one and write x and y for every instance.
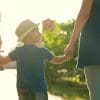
(81, 20)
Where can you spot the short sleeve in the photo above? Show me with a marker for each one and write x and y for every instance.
(12, 55)
(47, 54)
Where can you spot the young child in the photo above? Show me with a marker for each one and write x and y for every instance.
(30, 59)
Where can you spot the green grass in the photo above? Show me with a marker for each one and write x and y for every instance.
(69, 91)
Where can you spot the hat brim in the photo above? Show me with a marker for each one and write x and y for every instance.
(25, 33)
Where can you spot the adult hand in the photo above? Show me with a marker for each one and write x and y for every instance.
(69, 51)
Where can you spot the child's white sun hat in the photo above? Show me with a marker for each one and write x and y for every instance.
(24, 28)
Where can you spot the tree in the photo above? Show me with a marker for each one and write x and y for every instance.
(56, 41)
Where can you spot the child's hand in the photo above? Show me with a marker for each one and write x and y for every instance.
(0, 42)
(67, 57)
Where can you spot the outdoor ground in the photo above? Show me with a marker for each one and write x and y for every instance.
(8, 86)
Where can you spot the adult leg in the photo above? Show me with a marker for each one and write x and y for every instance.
(92, 74)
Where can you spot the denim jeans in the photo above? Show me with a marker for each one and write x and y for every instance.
(34, 96)
(92, 74)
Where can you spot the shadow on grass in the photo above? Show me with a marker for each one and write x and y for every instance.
(69, 91)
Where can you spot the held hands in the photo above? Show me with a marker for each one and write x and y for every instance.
(69, 51)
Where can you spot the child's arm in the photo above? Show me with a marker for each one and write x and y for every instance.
(5, 60)
(0, 42)
(59, 59)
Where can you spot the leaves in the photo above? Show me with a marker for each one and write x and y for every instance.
(56, 41)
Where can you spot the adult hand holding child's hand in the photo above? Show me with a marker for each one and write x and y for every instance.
(69, 51)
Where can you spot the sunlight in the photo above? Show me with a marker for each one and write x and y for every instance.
(14, 11)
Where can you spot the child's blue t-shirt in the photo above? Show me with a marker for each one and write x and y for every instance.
(30, 61)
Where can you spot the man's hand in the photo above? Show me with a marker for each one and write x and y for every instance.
(69, 51)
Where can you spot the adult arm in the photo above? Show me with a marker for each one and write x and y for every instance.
(79, 25)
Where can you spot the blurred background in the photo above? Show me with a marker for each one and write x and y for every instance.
(12, 12)
(56, 18)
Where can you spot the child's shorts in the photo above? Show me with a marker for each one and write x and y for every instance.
(33, 96)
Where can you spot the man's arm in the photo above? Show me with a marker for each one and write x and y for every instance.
(59, 59)
(81, 20)
(4, 60)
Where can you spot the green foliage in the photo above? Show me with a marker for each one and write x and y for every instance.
(69, 93)
(56, 41)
